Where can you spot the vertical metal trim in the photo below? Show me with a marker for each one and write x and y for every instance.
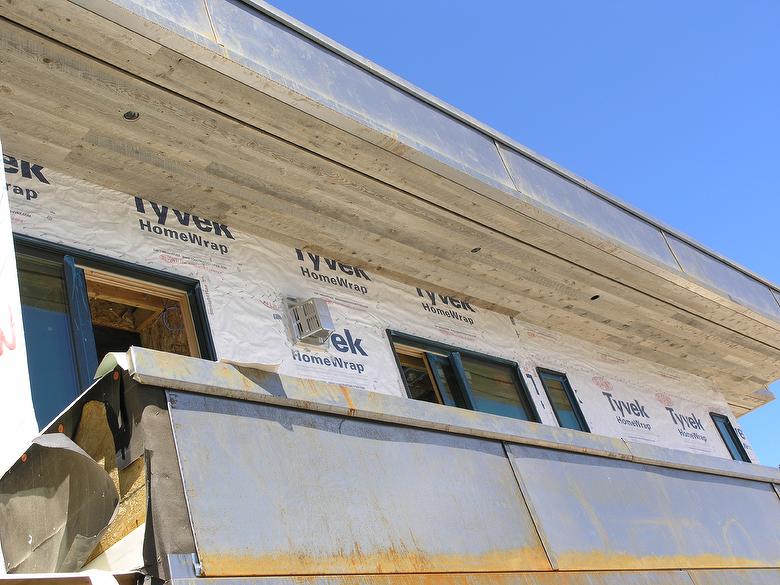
(530, 507)
(691, 576)
(170, 399)
(449, 396)
(81, 322)
(460, 374)
(777, 489)
(775, 296)
(526, 394)
(668, 245)
(506, 166)
(214, 28)
(199, 314)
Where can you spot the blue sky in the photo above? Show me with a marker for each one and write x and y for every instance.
(672, 106)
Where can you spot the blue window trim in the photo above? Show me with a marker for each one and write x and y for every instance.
(570, 395)
(454, 354)
(81, 321)
(741, 454)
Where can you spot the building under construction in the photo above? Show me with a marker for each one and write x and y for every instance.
(272, 316)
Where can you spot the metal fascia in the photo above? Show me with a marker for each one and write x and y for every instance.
(400, 83)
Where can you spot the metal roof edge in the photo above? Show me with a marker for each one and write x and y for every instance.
(408, 87)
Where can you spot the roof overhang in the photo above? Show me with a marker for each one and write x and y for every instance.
(230, 126)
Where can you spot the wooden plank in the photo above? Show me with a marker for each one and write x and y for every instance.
(323, 194)
(167, 64)
(117, 294)
(178, 62)
(94, 436)
(616, 345)
(144, 320)
(109, 314)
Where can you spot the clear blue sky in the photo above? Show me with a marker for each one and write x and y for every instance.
(672, 106)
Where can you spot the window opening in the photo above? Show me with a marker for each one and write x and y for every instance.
(127, 311)
(730, 437)
(563, 400)
(77, 307)
(446, 375)
(494, 388)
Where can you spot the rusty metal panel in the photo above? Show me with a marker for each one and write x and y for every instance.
(555, 578)
(280, 491)
(597, 513)
(736, 577)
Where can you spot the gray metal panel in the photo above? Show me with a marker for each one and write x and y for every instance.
(273, 490)
(188, 18)
(739, 286)
(737, 577)
(287, 57)
(600, 513)
(556, 578)
(576, 202)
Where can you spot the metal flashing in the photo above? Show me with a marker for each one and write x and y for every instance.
(500, 138)
(261, 47)
(219, 379)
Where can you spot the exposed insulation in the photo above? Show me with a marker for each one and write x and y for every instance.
(131, 512)
(94, 436)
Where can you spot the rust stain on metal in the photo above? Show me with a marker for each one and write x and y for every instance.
(599, 561)
(348, 398)
(389, 561)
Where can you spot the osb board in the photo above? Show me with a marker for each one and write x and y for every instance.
(166, 333)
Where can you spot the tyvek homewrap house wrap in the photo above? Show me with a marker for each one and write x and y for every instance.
(245, 280)
(179, 173)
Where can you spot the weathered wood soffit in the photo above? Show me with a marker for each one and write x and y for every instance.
(259, 122)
